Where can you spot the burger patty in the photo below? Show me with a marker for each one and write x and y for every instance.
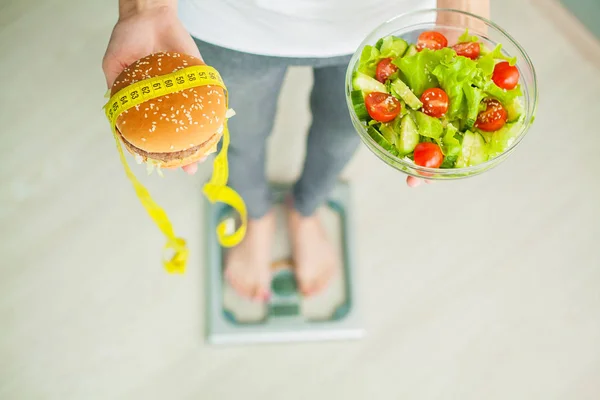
(165, 157)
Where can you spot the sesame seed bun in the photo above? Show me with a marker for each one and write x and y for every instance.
(175, 129)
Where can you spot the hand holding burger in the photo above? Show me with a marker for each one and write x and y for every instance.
(146, 28)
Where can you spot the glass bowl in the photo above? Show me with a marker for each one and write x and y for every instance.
(408, 27)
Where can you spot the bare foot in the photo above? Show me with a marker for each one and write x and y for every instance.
(315, 258)
(247, 266)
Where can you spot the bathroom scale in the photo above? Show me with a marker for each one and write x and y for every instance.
(332, 314)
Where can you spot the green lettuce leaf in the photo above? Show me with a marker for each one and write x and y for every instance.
(388, 47)
(497, 54)
(451, 141)
(367, 63)
(417, 69)
(503, 95)
(473, 98)
(428, 126)
(451, 144)
(455, 76)
(465, 37)
(486, 66)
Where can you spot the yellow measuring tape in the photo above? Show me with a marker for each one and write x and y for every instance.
(216, 190)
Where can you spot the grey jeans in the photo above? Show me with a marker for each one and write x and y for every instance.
(254, 82)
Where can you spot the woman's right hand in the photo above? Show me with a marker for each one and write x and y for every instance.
(144, 28)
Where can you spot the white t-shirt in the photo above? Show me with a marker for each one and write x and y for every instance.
(291, 28)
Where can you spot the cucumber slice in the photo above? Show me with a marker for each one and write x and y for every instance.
(403, 109)
(479, 152)
(409, 135)
(515, 110)
(358, 101)
(366, 84)
(377, 137)
(411, 51)
(361, 112)
(502, 139)
(463, 157)
(393, 47)
(357, 97)
(473, 150)
(388, 133)
(487, 136)
(406, 94)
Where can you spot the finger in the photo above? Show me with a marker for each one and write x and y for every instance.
(111, 69)
(412, 182)
(184, 43)
(191, 48)
(194, 51)
(429, 181)
(191, 168)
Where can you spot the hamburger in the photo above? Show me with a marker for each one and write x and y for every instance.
(172, 130)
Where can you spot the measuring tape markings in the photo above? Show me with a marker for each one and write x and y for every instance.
(216, 190)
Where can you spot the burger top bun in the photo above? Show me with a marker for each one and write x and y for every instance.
(174, 122)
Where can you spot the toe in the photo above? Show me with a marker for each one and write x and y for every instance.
(260, 294)
(229, 277)
(303, 283)
(319, 284)
(308, 286)
(248, 288)
(323, 281)
(240, 285)
(237, 286)
(234, 285)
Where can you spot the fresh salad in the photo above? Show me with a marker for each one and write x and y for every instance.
(439, 106)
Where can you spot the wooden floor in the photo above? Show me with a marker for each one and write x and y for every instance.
(487, 288)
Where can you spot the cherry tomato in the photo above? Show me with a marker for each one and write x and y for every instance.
(505, 76)
(493, 117)
(382, 106)
(469, 49)
(431, 40)
(385, 68)
(428, 155)
(435, 102)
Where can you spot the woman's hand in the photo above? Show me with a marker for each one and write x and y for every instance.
(146, 27)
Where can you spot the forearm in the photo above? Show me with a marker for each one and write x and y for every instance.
(478, 7)
(130, 7)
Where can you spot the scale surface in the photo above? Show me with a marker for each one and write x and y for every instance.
(333, 314)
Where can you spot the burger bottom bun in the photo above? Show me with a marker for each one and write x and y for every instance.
(175, 159)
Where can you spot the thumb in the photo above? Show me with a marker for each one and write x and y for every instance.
(111, 68)
(185, 44)
(190, 48)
